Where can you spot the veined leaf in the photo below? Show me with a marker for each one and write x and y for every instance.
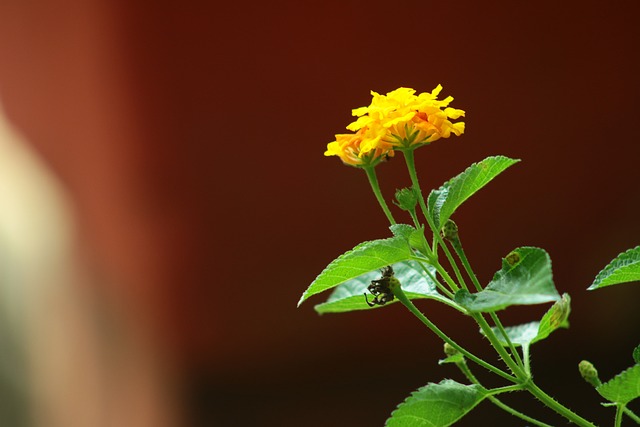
(411, 234)
(437, 405)
(416, 284)
(525, 279)
(623, 388)
(624, 268)
(526, 334)
(365, 257)
(402, 230)
(443, 202)
(636, 354)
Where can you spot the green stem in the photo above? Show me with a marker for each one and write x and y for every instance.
(445, 275)
(411, 167)
(464, 368)
(512, 348)
(430, 260)
(505, 389)
(445, 291)
(426, 250)
(527, 361)
(431, 255)
(457, 247)
(425, 244)
(493, 339)
(619, 412)
(399, 293)
(632, 415)
(373, 180)
(550, 402)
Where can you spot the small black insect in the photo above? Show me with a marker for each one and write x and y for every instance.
(381, 288)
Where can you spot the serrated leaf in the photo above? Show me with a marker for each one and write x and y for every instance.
(636, 354)
(402, 230)
(622, 269)
(528, 333)
(437, 405)
(525, 279)
(349, 296)
(365, 257)
(412, 235)
(443, 202)
(623, 388)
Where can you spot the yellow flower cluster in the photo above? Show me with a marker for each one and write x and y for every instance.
(398, 120)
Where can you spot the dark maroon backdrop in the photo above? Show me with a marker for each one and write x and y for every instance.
(191, 136)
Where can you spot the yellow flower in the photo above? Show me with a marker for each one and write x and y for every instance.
(402, 119)
(348, 148)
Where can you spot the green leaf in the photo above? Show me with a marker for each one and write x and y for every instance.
(349, 296)
(437, 405)
(411, 234)
(526, 334)
(636, 354)
(443, 202)
(525, 279)
(402, 230)
(623, 388)
(365, 257)
(624, 268)
(456, 358)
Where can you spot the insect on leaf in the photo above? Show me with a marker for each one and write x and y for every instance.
(416, 283)
(365, 257)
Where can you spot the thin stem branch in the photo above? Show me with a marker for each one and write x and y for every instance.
(440, 286)
(437, 239)
(632, 415)
(493, 339)
(399, 293)
(457, 247)
(527, 360)
(430, 253)
(410, 161)
(373, 180)
(464, 368)
(505, 389)
(556, 406)
(445, 275)
(619, 412)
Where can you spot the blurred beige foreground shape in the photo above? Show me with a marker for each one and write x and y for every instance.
(65, 361)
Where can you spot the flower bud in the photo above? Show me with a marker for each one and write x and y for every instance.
(449, 230)
(407, 199)
(589, 373)
(449, 350)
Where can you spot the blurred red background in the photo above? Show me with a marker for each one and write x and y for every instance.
(190, 137)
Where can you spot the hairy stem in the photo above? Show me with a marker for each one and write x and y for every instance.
(423, 263)
(399, 293)
(632, 415)
(550, 402)
(619, 412)
(437, 239)
(457, 246)
(373, 180)
(493, 339)
(464, 368)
